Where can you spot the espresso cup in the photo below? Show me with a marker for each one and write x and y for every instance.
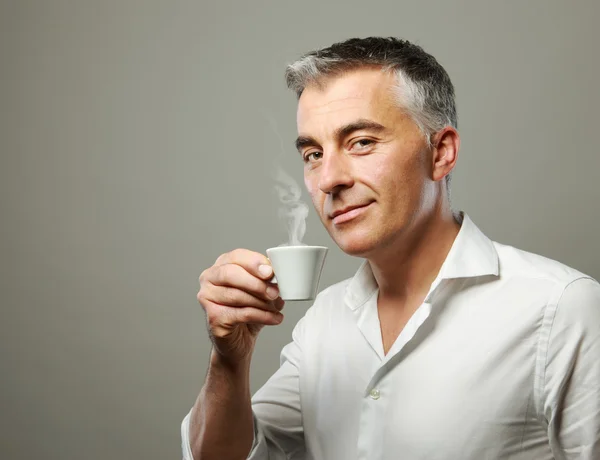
(297, 270)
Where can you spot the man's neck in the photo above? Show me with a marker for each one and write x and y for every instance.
(407, 269)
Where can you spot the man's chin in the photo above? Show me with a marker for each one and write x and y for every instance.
(356, 246)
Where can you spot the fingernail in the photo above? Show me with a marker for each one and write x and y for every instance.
(265, 270)
(272, 292)
(279, 303)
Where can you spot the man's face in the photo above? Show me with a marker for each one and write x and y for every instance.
(363, 155)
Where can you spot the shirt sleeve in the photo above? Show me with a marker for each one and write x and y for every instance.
(278, 432)
(571, 393)
(185, 438)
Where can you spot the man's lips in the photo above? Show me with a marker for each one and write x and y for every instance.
(347, 213)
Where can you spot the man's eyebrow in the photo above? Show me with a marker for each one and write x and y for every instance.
(358, 125)
(342, 131)
(305, 141)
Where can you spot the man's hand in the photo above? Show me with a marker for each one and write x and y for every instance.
(239, 300)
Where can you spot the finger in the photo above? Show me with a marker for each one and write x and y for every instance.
(279, 303)
(233, 297)
(249, 315)
(235, 276)
(254, 263)
(221, 317)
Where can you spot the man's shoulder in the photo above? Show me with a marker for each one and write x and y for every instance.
(515, 262)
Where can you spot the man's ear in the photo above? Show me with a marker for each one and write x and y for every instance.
(446, 143)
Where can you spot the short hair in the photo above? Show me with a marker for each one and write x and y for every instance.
(425, 91)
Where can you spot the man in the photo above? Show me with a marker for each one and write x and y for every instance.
(444, 345)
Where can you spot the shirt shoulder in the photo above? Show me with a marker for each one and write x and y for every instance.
(517, 263)
(580, 303)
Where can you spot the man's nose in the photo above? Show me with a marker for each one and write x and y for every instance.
(335, 172)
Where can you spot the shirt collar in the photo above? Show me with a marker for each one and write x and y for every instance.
(472, 254)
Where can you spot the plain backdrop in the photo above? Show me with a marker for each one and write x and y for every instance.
(137, 140)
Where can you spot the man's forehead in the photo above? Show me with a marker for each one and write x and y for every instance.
(358, 94)
(330, 106)
(358, 84)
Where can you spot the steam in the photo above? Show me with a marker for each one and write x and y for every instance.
(293, 211)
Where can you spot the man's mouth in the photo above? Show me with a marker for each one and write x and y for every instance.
(347, 213)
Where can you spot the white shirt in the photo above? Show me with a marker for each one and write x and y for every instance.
(501, 361)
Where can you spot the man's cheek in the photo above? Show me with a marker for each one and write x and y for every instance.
(308, 183)
(316, 199)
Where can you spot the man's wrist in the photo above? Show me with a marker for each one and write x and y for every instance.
(234, 367)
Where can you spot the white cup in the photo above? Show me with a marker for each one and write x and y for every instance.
(297, 270)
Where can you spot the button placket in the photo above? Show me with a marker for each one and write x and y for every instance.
(370, 440)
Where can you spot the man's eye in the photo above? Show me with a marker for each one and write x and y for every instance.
(362, 143)
(312, 156)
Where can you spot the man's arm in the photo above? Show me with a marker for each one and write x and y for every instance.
(220, 423)
(571, 393)
(276, 430)
(239, 301)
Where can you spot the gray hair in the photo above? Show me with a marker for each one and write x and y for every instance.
(424, 89)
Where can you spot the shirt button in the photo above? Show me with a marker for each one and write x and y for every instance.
(375, 394)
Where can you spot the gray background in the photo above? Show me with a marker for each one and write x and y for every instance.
(136, 147)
